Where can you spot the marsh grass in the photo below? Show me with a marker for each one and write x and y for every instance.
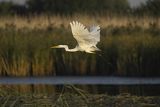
(129, 47)
(44, 21)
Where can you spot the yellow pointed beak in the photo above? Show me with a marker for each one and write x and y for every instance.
(55, 47)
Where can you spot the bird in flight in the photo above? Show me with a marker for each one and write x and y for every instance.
(87, 39)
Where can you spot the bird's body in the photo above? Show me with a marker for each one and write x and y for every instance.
(86, 39)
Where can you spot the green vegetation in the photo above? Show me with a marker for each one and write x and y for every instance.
(151, 8)
(71, 7)
(130, 49)
(78, 6)
(65, 7)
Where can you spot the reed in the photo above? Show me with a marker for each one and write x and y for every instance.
(129, 48)
(43, 21)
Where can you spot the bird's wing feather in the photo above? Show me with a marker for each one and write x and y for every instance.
(95, 32)
(83, 36)
(78, 29)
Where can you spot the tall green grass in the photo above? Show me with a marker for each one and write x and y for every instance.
(126, 51)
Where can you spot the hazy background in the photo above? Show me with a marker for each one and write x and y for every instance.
(133, 3)
(70, 7)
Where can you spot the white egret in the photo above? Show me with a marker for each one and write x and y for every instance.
(87, 39)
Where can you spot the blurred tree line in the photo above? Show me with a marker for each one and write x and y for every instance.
(151, 7)
(9, 8)
(77, 6)
(65, 7)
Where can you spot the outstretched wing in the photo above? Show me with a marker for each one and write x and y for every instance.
(95, 34)
(83, 36)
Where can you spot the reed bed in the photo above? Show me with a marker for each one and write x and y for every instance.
(129, 47)
(43, 21)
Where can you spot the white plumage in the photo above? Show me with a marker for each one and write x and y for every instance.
(87, 39)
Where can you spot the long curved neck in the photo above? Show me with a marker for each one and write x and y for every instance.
(69, 50)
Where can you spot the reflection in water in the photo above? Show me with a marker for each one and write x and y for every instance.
(148, 90)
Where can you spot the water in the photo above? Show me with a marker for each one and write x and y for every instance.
(110, 85)
(83, 80)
